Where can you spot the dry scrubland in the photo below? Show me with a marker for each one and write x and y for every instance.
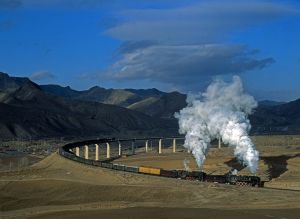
(18, 154)
(59, 188)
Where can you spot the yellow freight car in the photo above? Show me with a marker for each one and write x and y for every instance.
(149, 170)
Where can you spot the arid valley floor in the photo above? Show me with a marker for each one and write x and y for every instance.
(57, 187)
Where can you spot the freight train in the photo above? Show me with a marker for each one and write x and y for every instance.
(178, 174)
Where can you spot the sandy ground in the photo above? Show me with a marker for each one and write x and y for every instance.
(60, 188)
(17, 162)
(176, 213)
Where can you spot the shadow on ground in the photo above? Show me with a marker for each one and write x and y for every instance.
(235, 164)
(277, 165)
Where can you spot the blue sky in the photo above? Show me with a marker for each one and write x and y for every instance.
(170, 45)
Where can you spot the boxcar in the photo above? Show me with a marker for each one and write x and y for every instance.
(70, 156)
(107, 165)
(169, 173)
(115, 166)
(149, 170)
(119, 167)
(131, 169)
(97, 163)
(89, 162)
(81, 160)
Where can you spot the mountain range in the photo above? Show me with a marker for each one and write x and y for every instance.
(152, 102)
(27, 111)
(30, 110)
(277, 119)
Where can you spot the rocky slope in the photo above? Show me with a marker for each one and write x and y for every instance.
(28, 112)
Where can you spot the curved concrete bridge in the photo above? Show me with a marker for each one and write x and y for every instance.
(85, 148)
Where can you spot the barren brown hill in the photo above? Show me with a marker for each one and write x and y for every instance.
(162, 107)
(119, 97)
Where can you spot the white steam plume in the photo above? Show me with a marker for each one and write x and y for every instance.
(220, 112)
(186, 164)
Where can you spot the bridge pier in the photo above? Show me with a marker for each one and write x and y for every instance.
(107, 150)
(77, 151)
(146, 146)
(96, 152)
(120, 149)
(86, 152)
(174, 145)
(159, 146)
(220, 143)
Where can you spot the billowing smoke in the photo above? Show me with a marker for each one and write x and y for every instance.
(220, 112)
(186, 164)
(234, 172)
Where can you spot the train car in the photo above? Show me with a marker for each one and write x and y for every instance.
(215, 178)
(88, 162)
(248, 181)
(231, 179)
(169, 173)
(182, 174)
(81, 159)
(149, 170)
(96, 163)
(78, 159)
(70, 156)
(107, 165)
(120, 167)
(115, 166)
(132, 169)
(196, 175)
(191, 175)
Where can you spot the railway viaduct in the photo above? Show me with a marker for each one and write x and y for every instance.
(83, 148)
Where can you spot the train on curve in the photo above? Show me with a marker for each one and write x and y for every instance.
(178, 174)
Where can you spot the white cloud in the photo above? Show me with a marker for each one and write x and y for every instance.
(208, 21)
(179, 46)
(41, 75)
(179, 64)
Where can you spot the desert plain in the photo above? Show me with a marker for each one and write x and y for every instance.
(56, 187)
